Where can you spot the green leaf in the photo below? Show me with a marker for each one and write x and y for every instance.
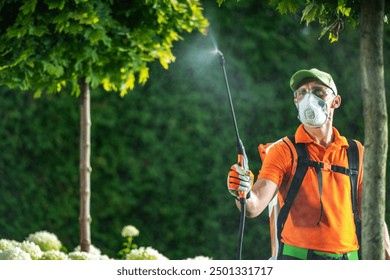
(309, 14)
(143, 75)
(52, 69)
(38, 93)
(344, 10)
(38, 31)
(220, 2)
(332, 37)
(28, 7)
(285, 6)
(323, 31)
(55, 4)
(17, 32)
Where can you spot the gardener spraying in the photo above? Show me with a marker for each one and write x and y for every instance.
(316, 176)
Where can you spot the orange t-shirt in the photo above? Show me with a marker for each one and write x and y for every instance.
(335, 233)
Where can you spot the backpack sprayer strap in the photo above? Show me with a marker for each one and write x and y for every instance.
(353, 163)
(302, 166)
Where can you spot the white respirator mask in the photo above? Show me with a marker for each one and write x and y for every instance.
(312, 111)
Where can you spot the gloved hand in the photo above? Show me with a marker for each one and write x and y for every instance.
(239, 180)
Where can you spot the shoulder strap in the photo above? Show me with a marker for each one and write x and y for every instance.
(302, 166)
(353, 166)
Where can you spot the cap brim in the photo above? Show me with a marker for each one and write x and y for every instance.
(299, 76)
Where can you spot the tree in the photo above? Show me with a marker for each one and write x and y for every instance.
(75, 46)
(370, 15)
(375, 120)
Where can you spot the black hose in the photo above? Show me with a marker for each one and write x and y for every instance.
(241, 227)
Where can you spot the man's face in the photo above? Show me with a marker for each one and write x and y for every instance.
(332, 100)
(315, 88)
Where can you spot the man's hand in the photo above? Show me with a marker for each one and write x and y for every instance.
(239, 181)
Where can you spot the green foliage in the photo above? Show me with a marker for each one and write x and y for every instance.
(313, 11)
(330, 14)
(49, 45)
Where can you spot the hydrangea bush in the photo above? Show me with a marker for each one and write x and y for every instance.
(54, 255)
(143, 253)
(45, 240)
(43, 245)
(15, 253)
(32, 249)
(6, 244)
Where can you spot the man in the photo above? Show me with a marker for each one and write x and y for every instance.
(320, 223)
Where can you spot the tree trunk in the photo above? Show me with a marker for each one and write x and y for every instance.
(375, 131)
(85, 167)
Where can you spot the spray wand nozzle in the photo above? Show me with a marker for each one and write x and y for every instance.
(221, 57)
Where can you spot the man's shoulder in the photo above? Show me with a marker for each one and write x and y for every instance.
(277, 148)
(357, 142)
(359, 146)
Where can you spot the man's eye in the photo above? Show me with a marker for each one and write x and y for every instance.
(303, 91)
(318, 92)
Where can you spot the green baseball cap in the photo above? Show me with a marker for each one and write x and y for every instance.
(323, 77)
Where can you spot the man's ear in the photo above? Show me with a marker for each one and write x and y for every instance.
(296, 102)
(336, 102)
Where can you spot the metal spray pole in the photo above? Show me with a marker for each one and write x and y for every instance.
(242, 159)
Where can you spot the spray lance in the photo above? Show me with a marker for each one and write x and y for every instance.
(242, 159)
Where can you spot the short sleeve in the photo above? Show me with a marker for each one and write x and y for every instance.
(277, 164)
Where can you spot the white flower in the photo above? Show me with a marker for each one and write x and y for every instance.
(145, 254)
(32, 249)
(199, 258)
(45, 240)
(93, 254)
(92, 250)
(14, 254)
(54, 255)
(77, 255)
(130, 231)
(104, 258)
(6, 244)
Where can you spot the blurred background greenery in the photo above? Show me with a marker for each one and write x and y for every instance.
(161, 154)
